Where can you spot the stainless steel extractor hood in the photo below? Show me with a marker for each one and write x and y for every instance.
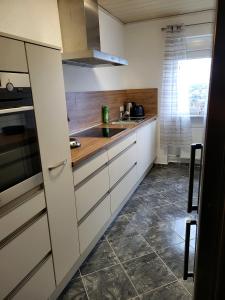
(79, 22)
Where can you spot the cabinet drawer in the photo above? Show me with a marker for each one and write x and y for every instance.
(22, 254)
(119, 193)
(12, 55)
(115, 150)
(122, 164)
(91, 192)
(93, 224)
(90, 167)
(21, 214)
(41, 285)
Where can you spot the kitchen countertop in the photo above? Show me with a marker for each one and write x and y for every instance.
(92, 145)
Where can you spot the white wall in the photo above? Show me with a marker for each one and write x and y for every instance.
(144, 49)
(103, 78)
(31, 19)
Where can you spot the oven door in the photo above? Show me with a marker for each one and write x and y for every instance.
(20, 165)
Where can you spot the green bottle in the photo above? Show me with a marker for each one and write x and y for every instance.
(105, 114)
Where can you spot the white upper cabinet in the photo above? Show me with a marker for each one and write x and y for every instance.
(34, 20)
(50, 110)
(12, 55)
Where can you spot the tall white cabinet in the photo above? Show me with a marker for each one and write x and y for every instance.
(46, 76)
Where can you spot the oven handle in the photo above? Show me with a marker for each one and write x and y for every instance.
(192, 207)
(186, 273)
(60, 164)
(15, 110)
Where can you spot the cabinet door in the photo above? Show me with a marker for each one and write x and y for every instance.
(120, 192)
(40, 286)
(46, 76)
(153, 141)
(12, 55)
(146, 143)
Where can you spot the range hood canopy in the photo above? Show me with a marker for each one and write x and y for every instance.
(79, 22)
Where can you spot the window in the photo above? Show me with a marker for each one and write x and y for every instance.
(193, 85)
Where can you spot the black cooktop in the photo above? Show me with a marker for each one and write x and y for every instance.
(99, 132)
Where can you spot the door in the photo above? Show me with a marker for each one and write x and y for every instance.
(210, 260)
(46, 76)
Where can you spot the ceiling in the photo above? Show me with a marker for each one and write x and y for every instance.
(137, 10)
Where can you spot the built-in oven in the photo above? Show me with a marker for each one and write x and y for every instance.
(20, 165)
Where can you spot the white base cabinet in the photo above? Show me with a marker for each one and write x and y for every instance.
(22, 254)
(120, 192)
(41, 285)
(146, 145)
(111, 174)
(94, 223)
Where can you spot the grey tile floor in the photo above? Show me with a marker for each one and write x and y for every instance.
(141, 254)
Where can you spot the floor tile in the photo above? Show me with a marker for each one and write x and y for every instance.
(179, 226)
(142, 221)
(158, 186)
(120, 228)
(162, 236)
(188, 284)
(173, 291)
(174, 258)
(74, 291)
(101, 257)
(155, 200)
(131, 247)
(144, 191)
(148, 272)
(169, 212)
(134, 205)
(173, 197)
(111, 283)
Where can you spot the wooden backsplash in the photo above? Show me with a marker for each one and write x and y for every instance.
(85, 108)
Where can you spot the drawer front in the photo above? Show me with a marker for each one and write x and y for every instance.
(22, 254)
(21, 214)
(41, 285)
(115, 150)
(12, 55)
(91, 192)
(122, 164)
(90, 167)
(119, 193)
(93, 224)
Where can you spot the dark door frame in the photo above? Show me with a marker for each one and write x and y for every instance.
(210, 258)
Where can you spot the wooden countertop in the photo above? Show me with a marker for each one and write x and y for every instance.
(92, 145)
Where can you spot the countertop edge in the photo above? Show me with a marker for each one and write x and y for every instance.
(110, 143)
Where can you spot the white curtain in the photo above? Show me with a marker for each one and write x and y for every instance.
(175, 124)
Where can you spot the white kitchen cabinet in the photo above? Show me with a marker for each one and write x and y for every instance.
(22, 254)
(146, 145)
(89, 167)
(15, 218)
(91, 226)
(12, 55)
(124, 187)
(41, 285)
(122, 163)
(45, 68)
(153, 141)
(91, 192)
(121, 145)
(31, 19)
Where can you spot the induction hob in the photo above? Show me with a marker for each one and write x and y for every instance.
(99, 132)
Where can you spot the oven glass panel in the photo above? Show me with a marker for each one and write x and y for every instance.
(19, 150)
